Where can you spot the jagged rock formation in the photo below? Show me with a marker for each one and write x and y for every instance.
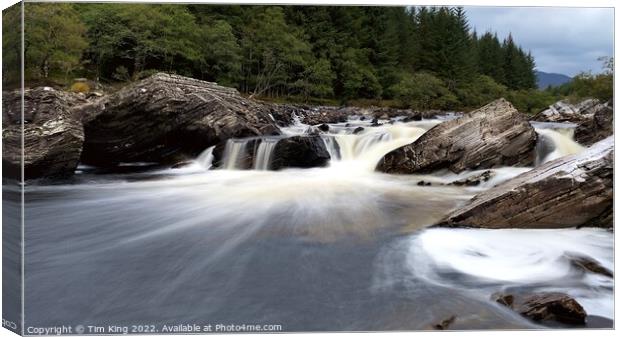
(496, 134)
(167, 117)
(599, 126)
(594, 119)
(52, 137)
(570, 191)
(563, 111)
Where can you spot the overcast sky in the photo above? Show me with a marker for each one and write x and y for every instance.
(562, 40)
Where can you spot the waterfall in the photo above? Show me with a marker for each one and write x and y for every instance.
(555, 143)
(360, 151)
(262, 159)
(364, 150)
(234, 152)
(332, 147)
(205, 159)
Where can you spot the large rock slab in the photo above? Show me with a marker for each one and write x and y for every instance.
(52, 134)
(165, 118)
(571, 191)
(494, 135)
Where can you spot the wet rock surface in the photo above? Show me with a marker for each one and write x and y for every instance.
(284, 114)
(52, 135)
(474, 180)
(545, 307)
(564, 111)
(589, 265)
(167, 117)
(594, 119)
(599, 126)
(300, 152)
(571, 191)
(494, 135)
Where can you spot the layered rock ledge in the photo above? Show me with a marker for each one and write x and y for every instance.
(52, 134)
(494, 135)
(167, 118)
(571, 191)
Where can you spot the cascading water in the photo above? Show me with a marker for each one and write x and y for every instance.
(205, 159)
(364, 150)
(262, 158)
(555, 141)
(234, 151)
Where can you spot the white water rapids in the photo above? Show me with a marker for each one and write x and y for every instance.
(339, 247)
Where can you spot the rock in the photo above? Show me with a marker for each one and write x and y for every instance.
(444, 324)
(53, 134)
(571, 191)
(424, 183)
(594, 119)
(160, 117)
(563, 111)
(474, 180)
(598, 127)
(542, 307)
(588, 264)
(358, 130)
(323, 127)
(300, 152)
(412, 118)
(410, 115)
(494, 135)
(284, 114)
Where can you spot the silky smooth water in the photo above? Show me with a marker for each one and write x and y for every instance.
(335, 248)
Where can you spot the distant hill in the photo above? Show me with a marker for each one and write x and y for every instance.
(544, 79)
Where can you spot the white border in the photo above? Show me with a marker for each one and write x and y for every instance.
(505, 3)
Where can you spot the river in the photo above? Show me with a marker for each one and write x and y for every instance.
(338, 248)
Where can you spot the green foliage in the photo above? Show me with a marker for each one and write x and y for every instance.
(479, 91)
(221, 53)
(358, 76)
(275, 55)
(588, 85)
(423, 57)
(140, 36)
(423, 91)
(11, 46)
(530, 100)
(317, 80)
(53, 38)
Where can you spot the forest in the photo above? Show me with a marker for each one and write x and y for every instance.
(415, 57)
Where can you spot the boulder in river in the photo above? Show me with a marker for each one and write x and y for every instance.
(599, 126)
(300, 152)
(165, 118)
(570, 191)
(52, 135)
(494, 135)
(545, 307)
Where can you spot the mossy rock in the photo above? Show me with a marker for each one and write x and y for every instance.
(82, 87)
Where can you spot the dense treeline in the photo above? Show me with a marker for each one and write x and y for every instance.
(418, 57)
